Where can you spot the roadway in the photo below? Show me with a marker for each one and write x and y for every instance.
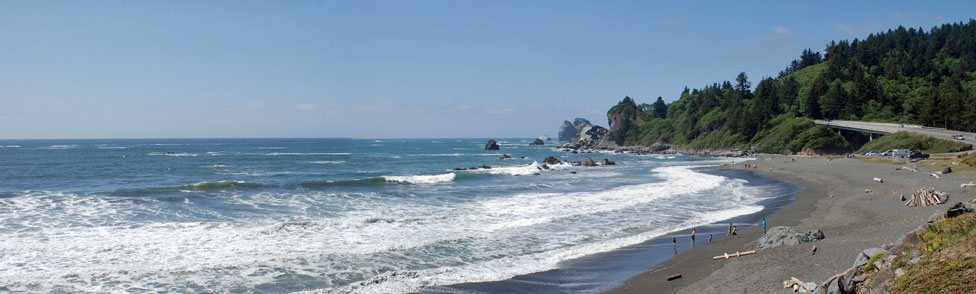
(888, 128)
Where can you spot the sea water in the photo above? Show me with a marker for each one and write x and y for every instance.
(332, 215)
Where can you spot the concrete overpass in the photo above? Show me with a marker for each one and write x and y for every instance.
(877, 129)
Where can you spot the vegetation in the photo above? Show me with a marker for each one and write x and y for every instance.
(970, 160)
(904, 140)
(903, 75)
(870, 265)
(947, 259)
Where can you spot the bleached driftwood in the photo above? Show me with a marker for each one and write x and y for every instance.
(879, 180)
(907, 168)
(926, 197)
(966, 185)
(935, 175)
(737, 254)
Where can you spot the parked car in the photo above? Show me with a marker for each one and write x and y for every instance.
(901, 153)
(872, 153)
(916, 154)
(958, 137)
(888, 153)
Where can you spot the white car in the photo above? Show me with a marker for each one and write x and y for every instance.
(958, 137)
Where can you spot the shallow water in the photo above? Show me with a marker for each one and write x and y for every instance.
(332, 215)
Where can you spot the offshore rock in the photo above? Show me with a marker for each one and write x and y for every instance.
(589, 162)
(595, 137)
(569, 130)
(538, 142)
(551, 160)
(492, 145)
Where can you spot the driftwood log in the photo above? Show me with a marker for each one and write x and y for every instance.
(737, 254)
(674, 277)
(926, 197)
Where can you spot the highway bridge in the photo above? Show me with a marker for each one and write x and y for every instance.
(876, 129)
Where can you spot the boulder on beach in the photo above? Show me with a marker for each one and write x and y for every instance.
(589, 162)
(492, 145)
(785, 236)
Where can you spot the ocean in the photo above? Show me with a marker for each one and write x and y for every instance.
(347, 215)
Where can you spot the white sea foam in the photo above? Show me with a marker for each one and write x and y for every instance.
(175, 154)
(305, 153)
(431, 179)
(327, 162)
(11, 146)
(271, 148)
(56, 147)
(112, 147)
(458, 154)
(517, 170)
(64, 242)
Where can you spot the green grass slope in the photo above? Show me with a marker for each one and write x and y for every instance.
(904, 140)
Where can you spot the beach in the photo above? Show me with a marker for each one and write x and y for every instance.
(833, 200)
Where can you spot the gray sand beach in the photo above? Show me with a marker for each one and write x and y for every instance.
(834, 201)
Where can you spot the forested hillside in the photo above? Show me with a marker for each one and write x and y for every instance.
(902, 75)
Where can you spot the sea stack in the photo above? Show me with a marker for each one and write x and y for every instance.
(492, 145)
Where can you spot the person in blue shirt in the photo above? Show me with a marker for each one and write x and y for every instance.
(764, 226)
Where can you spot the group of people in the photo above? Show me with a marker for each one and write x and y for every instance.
(733, 232)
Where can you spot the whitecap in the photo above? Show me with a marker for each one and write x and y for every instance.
(430, 179)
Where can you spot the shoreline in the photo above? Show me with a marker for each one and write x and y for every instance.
(852, 221)
(604, 271)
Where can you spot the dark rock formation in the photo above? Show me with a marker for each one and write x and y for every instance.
(569, 130)
(551, 160)
(593, 138)
(786, 236)
(589, 162)
(492, 145)
(538, 142)
(607, 161)
(957, 209)
(947, 170)
(505, 156)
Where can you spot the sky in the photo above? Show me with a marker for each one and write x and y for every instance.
(392, 69)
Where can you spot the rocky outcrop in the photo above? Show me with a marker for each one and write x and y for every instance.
(595, 137)
(569, 130)
(492, 145)
(786, 236)
(607, 161)
(538, 142)
(957, 210)
(551, 160)
(589, 162)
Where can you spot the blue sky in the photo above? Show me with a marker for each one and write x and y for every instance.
(391, 69)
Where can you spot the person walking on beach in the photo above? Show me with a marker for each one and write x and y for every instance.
(734, 230)
(692, 237)
(764, 226)
(730, 229)
(709, 238)
(674, 241)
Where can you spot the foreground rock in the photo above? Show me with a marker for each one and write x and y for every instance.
(492, 145)
(786, 236)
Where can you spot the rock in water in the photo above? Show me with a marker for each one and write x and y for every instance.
(551, 160)
(544, 138)
(538, 142)
(607, 161)
(492, 145)
(593, 138)
(569, 130)
(589, 162)
(505, 156)
(785, 236)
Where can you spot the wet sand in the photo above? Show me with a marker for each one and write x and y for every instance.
(852, 221)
